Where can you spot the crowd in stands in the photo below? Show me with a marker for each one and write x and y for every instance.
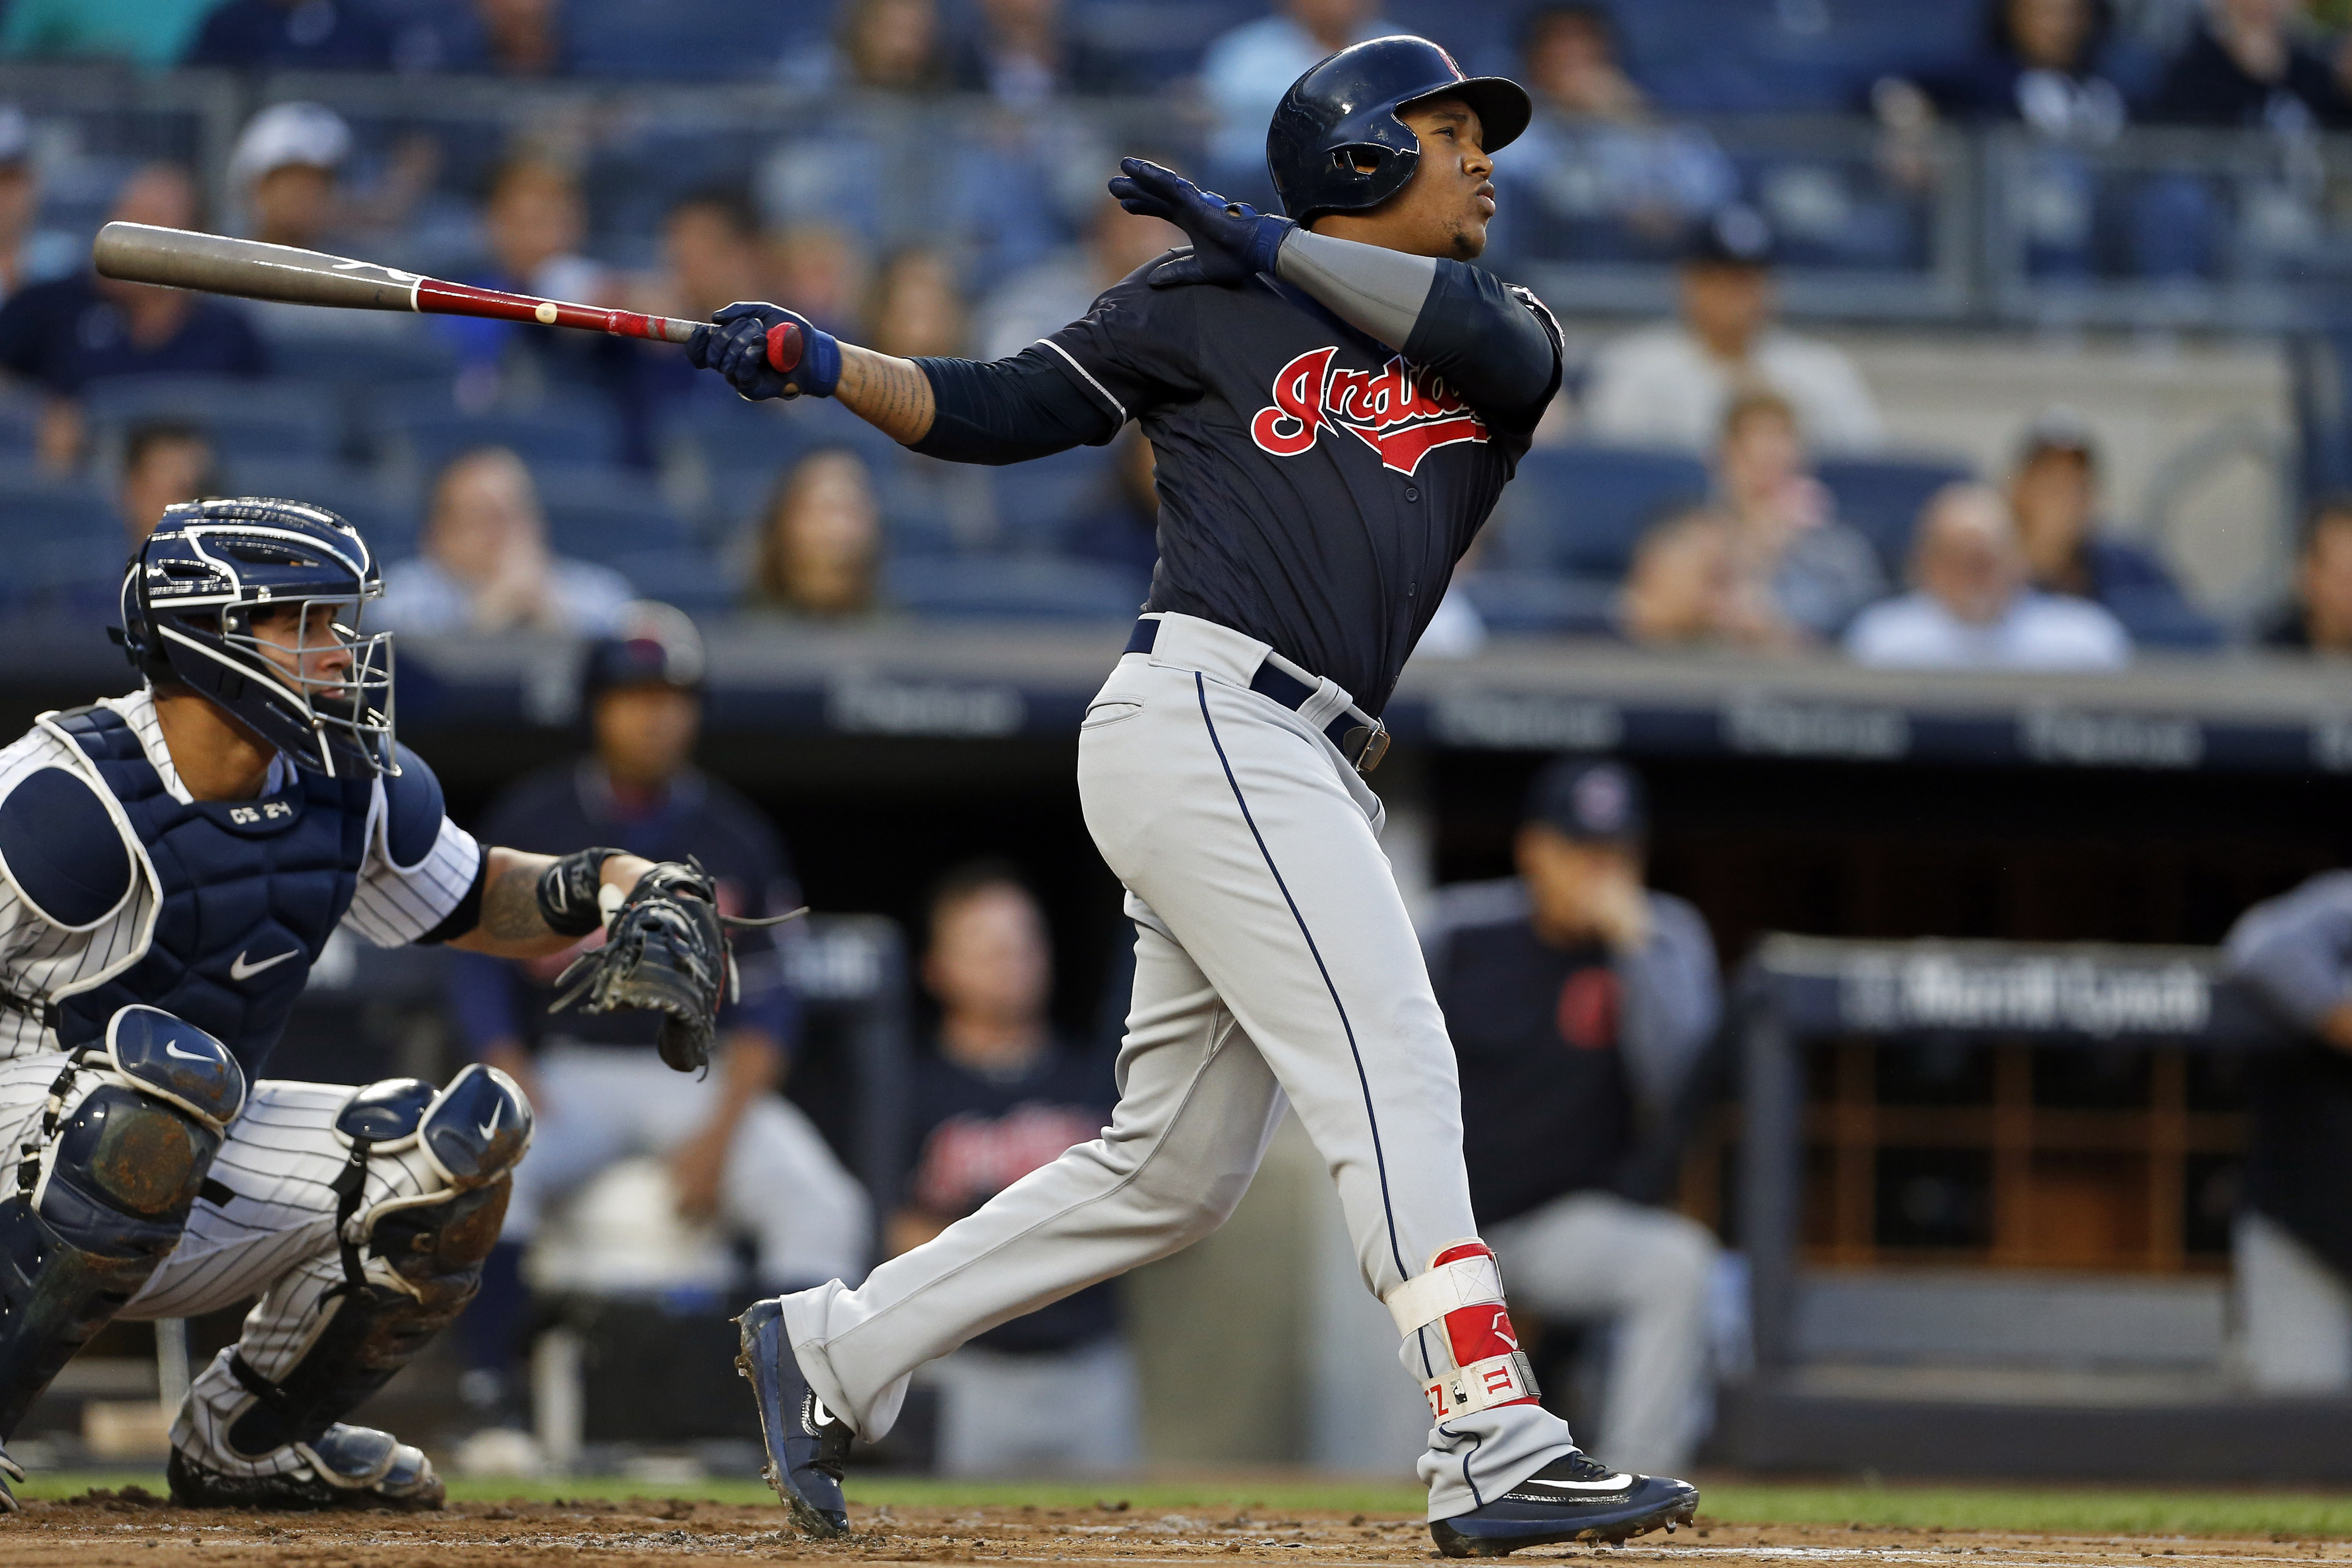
(1714, 478)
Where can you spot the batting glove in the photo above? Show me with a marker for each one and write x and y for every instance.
(738, 343)
(1232, 241)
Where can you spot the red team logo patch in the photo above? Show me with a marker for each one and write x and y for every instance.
(1399, 412)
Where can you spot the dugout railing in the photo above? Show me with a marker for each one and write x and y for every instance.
(2078, 1321)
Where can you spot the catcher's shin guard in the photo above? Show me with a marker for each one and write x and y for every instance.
(419, 1207)
(102, 1186)
(1460, 1298)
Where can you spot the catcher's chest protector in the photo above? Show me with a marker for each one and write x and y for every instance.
(251, 890)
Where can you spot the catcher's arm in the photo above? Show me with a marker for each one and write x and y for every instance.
(513, 923)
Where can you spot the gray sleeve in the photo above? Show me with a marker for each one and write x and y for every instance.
(2297, 950)
(1482, 336)
(1672, 1001)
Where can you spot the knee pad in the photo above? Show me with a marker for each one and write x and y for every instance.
(410, 1263)
(1461, 1297)
(103, 1188)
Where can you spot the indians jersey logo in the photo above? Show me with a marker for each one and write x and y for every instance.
(1399, 412)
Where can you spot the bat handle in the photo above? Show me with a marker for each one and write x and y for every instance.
(784, 348)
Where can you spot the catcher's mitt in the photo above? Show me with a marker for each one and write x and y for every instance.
(666, 950)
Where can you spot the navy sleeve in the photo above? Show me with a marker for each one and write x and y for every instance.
(1135, 349)
(1009, 411)
(487, 998)
(1496, 344)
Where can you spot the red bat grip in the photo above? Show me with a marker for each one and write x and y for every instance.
(784, 348)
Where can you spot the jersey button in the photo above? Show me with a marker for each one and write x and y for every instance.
(1410, 494)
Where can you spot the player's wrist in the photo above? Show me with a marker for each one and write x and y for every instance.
(1268, 237)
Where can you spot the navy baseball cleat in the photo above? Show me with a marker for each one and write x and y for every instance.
(806, 1443)
(1571, 1498)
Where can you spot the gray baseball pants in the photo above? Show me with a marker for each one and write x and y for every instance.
(1274, 966)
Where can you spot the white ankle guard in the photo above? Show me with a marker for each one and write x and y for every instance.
(1463, 1291)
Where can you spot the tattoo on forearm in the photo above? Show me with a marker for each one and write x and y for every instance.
(891, 394)
(510, 905)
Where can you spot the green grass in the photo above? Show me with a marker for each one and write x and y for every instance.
(2087, 1511)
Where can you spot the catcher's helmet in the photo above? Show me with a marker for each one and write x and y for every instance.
(1335, 144)
(189, 599)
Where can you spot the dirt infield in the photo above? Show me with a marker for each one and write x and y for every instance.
(133, 1529)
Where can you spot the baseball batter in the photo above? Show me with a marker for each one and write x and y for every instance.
(171, 863)
(1335, 401)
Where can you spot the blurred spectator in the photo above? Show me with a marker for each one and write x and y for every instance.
(1018, 53)
(28, 254)
(497, 37)
(534, 221)
(2053, 494)
(819, 545)
(1973, 607)
(914, 308)
(1061, 289)
(284, 166)
(1121, 525)
(2292, 1243)
(164, 460)
(2318, 618)
(62, 335)
(729, 1141)
(1668, 385)
(890, 46)
(820, 269)
(294, 36)
(711, 249)
(150, 33)
(1817, 572)
(1602, 178)
(1580, 1004)
(1245, 71)
(998, 1097)
(2243, 67)
(533, 224)
(486, 568)
(2042, 64)
(1687, 587)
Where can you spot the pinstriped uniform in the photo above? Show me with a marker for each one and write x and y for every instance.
(275, 1229)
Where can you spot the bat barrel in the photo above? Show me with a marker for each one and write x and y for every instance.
(248, 269)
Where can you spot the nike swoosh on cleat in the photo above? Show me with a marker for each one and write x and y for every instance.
(240, 970)
(1612, 1483)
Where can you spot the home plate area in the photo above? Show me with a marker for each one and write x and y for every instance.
(130, 1527)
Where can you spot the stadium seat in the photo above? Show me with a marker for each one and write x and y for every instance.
(1543, 606)
(600, 513)
(35, 510)
(692, 579)
(681, 40)
(243, 417)
(1013, 589)
(1038, 504)
(1880, 498)
(423, 432)
(391, 359)
(1580, 510)
(386, 514)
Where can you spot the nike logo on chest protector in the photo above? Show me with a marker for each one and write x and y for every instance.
(239, 969)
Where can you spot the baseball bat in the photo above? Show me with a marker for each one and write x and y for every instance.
(249, 269)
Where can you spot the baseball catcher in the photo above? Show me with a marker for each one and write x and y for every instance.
(171, 863)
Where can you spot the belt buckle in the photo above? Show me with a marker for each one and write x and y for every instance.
(1365, 746)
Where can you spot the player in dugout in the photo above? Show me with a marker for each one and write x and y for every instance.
(730, 1141)
(1580, 1003)
(171, 863)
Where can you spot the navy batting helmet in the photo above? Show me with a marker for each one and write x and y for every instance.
(190, 598)
(1336, 145)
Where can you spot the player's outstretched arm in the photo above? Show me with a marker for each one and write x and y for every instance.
(964, 411)
(515, 918)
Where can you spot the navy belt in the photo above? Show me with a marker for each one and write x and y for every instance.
(1362, 739)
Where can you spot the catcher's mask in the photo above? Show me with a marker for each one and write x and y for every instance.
(192, 594)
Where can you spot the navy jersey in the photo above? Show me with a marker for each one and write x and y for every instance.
(1316, 490)
(559, 808)
(1546, 1109)
(974, 1136)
